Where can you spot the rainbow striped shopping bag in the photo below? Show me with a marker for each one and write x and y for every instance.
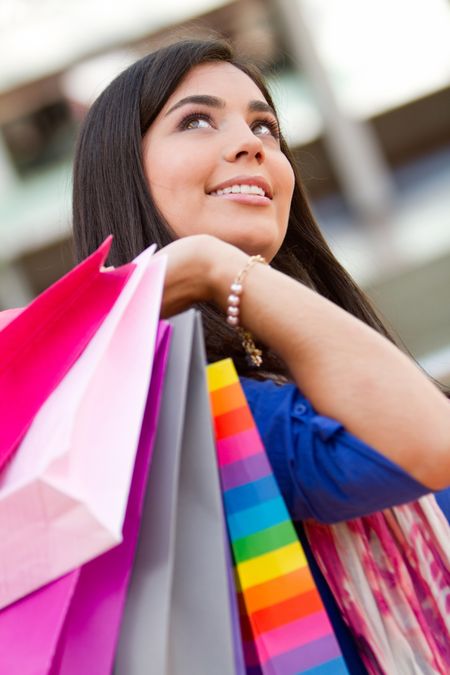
(284, 626)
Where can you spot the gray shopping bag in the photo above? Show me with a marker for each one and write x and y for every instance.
(179, 618)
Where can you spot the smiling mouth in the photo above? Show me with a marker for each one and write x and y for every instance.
(241, 189)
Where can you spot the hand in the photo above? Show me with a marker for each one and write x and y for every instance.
(191, 274)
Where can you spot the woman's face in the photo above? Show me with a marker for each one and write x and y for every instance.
(213, 161)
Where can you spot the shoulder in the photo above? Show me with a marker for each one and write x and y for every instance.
(323, 470)
(259, 392)
(272, 403)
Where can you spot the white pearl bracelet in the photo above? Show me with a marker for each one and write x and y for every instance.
(234, 301)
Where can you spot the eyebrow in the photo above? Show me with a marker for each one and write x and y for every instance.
(214, 102)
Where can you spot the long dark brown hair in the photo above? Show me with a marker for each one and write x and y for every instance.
(111, 194)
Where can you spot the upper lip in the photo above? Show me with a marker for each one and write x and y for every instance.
(244, 180)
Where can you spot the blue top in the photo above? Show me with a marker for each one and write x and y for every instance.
(326, 473)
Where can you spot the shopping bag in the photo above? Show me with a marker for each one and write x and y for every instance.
(92, 625)
(31, 628)
(285, 628)
(40, 343)
(71, 625)
(64, 494)
(177, 616)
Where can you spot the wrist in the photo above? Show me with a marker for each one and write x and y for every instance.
(228, 284)
(224, 266)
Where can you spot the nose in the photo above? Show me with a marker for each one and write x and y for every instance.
(244, 143)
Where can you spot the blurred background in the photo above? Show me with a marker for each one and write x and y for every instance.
(363, 91)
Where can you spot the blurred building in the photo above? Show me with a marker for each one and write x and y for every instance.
(364, 95)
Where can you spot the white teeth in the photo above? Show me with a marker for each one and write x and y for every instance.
(241, 189)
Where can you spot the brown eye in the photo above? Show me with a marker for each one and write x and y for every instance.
(266, 128)
(195, 121)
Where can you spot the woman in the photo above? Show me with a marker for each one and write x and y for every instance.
(184, 149)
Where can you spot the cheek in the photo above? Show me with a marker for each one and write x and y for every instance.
(286, 185)
(163, 165)
(289, 178)
(175, 181)
(164, 174)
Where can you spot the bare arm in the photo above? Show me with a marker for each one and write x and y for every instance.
(347, 370)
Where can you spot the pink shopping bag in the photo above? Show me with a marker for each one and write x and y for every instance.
(71, 625)
(40, 343)
(63, 495)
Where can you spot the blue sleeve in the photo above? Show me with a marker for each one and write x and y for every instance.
(443, 500)
(323, 471)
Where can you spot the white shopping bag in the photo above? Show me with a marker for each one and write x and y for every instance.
(63, 496)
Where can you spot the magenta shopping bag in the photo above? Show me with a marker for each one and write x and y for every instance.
(93, 620)
(39, 344)
(71, 625)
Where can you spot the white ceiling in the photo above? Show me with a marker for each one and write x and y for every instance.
(382, 53)
(38, 37)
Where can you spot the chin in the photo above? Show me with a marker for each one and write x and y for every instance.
(265, 246)
(260, 238)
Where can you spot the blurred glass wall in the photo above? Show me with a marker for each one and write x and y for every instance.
(363, 90)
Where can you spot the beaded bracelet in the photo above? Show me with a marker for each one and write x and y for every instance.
(254, 355)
